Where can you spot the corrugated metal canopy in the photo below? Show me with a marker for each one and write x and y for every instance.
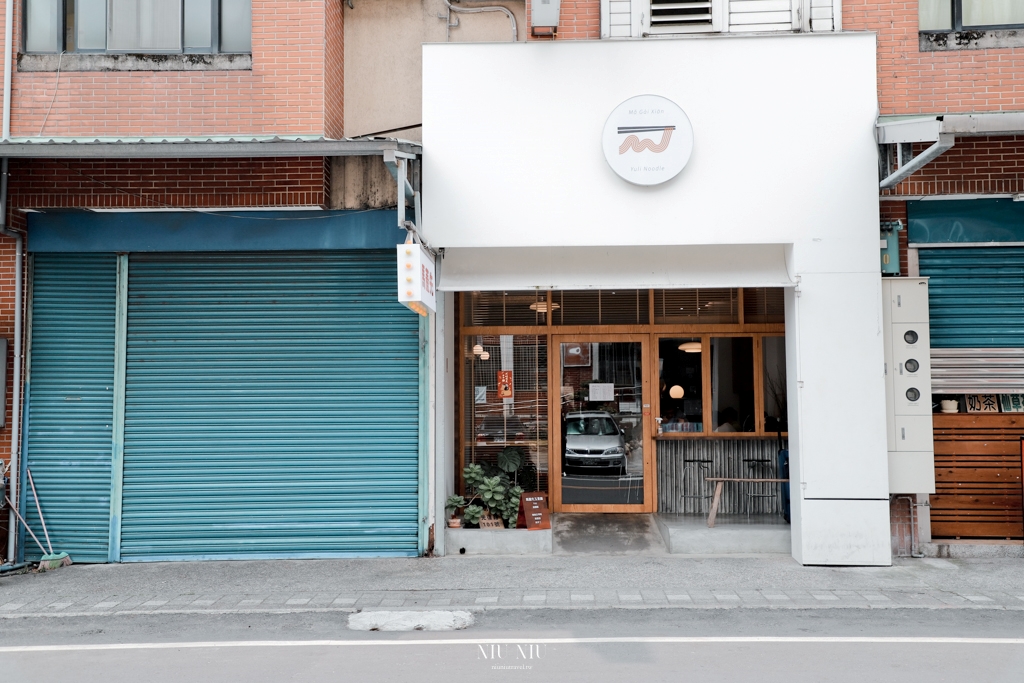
(200, 147)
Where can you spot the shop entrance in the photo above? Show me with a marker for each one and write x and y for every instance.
(628, 402)
(603, 449)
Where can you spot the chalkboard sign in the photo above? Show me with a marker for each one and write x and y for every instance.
(533, 511)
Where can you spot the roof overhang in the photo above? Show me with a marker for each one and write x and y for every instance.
(201, 147)
(896, 130)
(941, 130)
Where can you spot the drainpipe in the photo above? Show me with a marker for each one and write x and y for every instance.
(12, 521)
(915, 550)
(8, 68)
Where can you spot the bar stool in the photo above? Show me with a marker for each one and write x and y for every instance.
(697, 469)
(759, 468)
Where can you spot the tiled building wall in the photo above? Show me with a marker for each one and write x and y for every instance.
(294, 61)
(163, 183)
(915, 82)
(992, 165)
(577, 20)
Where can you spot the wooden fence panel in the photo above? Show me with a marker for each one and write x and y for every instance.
(978, 476)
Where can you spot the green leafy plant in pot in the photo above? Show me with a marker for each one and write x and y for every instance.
(493, 489)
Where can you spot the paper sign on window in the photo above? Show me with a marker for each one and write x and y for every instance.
(602, 392)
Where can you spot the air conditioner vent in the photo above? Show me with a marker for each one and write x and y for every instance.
(679, 16)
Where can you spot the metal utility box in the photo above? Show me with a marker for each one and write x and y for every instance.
(544, 14)
(908, 385)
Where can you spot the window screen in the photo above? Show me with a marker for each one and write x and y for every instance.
(147, 25)
(235, 25)
(198, 24)
(43, 25)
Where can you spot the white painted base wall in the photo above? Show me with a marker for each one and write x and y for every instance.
(843, 532)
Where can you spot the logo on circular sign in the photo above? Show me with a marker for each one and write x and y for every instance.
(647, 140)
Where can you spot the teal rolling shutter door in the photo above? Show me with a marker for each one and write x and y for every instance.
(71, 415)
(976, 296)
(271, 407)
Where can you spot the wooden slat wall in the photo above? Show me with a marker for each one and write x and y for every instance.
(978, 476)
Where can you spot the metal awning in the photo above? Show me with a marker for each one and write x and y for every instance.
(942, 130)
(201, 147)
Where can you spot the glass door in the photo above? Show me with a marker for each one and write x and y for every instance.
(603, 447)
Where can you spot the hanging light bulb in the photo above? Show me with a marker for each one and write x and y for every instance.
(485, 356)
(676, 391)
(477, 350)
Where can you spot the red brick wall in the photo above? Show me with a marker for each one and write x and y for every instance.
(577, 20)
(914, 82)
(334, 67)
(974, 166)
(897, 211)
(157, 183)
(283, 94)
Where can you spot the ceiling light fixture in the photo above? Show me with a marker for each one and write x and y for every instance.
(542, 307)
(477, 350)
(676, 391)
(690, 347)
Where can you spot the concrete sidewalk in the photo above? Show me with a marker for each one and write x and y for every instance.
(566, 581)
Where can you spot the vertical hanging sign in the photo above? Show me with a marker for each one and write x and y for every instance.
(505, 384)
(416, 278)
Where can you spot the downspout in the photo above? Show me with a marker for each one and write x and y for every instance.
(945, 143)
(8, 68)
(19, 256)
(915, 550)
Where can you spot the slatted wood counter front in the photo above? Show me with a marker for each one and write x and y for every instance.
(978, 476)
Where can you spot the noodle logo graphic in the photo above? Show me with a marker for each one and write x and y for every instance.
(637, 145)
(647, 140)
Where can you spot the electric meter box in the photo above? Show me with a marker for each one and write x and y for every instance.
(908, 385)
(544, 13)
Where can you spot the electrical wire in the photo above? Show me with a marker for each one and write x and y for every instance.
(54, 98)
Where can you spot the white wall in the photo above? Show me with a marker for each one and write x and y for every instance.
(513, 158)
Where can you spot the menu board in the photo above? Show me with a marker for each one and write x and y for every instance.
(533, 511)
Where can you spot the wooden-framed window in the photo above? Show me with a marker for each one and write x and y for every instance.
(721, 384)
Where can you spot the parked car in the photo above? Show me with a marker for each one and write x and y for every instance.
(594, 444)
(501, 428)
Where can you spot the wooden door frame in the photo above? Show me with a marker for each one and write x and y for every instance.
(555, 340)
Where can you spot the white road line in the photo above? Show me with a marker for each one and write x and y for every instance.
(667, 640)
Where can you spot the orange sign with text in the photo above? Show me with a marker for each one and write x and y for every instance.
(504, 384)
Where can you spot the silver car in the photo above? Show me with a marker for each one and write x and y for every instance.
(594, 444)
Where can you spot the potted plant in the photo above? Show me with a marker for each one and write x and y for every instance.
(450, 506)
(494, 491)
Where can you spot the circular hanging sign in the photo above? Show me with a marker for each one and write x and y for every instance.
(647, 140)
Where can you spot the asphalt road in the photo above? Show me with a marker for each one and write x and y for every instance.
(550, 645)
